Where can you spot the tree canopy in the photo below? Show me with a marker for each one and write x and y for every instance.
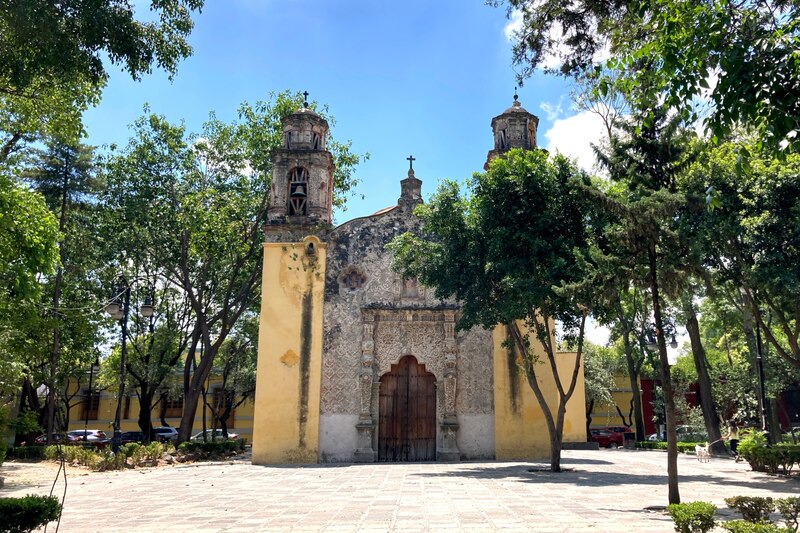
(506, 250)
(741, 55)
(52, 56)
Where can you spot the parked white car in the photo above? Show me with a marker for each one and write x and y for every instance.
(166, 433)
(214, 434)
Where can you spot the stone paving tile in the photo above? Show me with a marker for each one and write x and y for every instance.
(604, 491)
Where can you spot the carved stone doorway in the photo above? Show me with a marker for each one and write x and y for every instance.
(407, 413)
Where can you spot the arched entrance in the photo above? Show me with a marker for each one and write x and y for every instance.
(407, 413)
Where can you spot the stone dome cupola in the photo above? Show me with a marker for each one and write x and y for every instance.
(301, 193)
(513, 128)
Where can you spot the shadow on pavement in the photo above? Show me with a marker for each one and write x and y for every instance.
(603, 478)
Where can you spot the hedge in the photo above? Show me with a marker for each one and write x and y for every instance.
(683, 447)
(19, 515)
(780, 458)
(212, 447)
(29, 453)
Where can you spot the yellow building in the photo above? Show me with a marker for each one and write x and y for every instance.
(98, 411)
(608, 414)
(356, 363)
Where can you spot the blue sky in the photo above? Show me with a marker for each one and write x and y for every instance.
(400, 77)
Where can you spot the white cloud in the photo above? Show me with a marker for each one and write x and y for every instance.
(513, 25)
(573, 136)
(556, 35)
(553, 111)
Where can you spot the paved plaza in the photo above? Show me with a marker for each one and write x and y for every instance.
(605, 490)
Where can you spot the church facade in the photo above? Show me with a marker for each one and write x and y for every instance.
(357, 364)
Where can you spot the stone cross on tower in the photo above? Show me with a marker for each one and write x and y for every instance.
(410, 188)
(305, 99)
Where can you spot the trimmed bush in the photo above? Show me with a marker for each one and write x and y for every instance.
(743, 526)
(211, 448)
(683, 447)
(29, 453)
(778, 459)
(790, 510)
(19, 515)
(753, 508)
(692, 517)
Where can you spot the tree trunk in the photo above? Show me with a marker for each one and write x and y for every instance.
(145, 412)
(54, 355)
(589, 409)
(633, 377)
(710, 416)
(666, 380)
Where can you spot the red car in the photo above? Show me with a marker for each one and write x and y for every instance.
(605, 438)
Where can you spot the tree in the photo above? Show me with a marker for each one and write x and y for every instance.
(753, 240)
(28, 241)
(158, 346)
(702, 368)
(740, 55)
(193, 207)
(599, 367)
(52, 56)
(648, 156)
(65, 175)
(502, 250)
(236, 364)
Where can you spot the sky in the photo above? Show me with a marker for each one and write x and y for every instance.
(410, 77)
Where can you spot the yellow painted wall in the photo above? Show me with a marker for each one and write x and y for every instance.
(520, 426)
(243, 416)
(286, 422)
(604, 414)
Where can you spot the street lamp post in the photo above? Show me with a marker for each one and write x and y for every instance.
(120, 312)
(92, 369)
(762, 391)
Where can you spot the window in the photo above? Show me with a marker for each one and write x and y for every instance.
(298, 192)
(173, 407)
(220, 397)
(91, 405)
(352, 279)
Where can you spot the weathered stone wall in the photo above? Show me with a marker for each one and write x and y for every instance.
(372, 318)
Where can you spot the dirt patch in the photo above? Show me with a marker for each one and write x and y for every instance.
(34, 477)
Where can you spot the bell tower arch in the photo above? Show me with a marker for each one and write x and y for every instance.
(302, 173)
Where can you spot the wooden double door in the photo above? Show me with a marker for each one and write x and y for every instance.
(407, 413)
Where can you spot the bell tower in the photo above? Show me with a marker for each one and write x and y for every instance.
(513, 128)
(302, 173)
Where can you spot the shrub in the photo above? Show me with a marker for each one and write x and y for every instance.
(776, 459)
(211, 448)
(29, 453)
(18, 515)
(692, 517)
(128, 450)
(790, 510)
(683, 447)
(105, 459)
(743, 526)
(154, 451)
(753, 508)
